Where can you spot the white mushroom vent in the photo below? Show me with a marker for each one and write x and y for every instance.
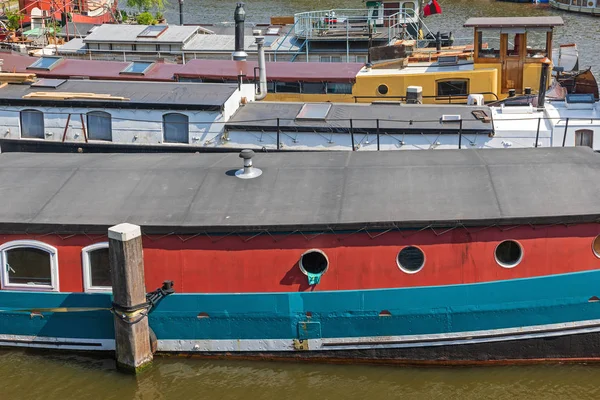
(248, 172)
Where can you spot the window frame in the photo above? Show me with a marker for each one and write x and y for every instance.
(164, 130)
(32, 110)
(403, 268)
(16, 244)
(87, 269)
(502, 263)
(467, 81)
(96, 113)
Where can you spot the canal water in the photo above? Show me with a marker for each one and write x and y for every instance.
(26, 376)
(580, 29)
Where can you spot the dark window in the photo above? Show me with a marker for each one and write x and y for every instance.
(313, 87)
(29, 266)
(509, 253)
(99, 125)
(382, 89)
(314, 262)
(32, 124)
(339, 88)
(411, 259)
(176, 128)
(100, 275)
(287, 87)
(453, 88)
(584, 137)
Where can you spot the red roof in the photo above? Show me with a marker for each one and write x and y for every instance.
(276, 71)
(206, 69)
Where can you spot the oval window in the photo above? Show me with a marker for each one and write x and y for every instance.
(314, 262)
(509, 253)
(411, 259)
(382, 89)
(596, 246)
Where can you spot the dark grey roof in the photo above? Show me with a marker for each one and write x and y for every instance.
(198, 96)
(514, 22)
(308, 191)
(393, 117)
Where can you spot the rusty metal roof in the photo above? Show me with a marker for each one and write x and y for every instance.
(514, 22)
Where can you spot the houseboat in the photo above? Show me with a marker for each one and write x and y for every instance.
(37, 12)
(590, 7)
(490, 258)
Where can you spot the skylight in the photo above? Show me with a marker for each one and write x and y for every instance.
(153, 31)
(315, 111)
(45, 63)
(49, 83)
(137, 67)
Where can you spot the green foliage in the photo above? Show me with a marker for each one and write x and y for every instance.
(145, 5)
(124, 16)
(13, 20)
(159, 16)
(55, 25)
(146, 18)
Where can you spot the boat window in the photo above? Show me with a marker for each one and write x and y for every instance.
(313, 87)
(408, 9)
(137, 68)
(314, 264)
(29, 265)
(455, 87)
(287, 87)
(175, 128)
(513, 47)
(96, 268)
(270, 87)
(32, 124)
(537, 43)
(45, 63)
(508, 254)
(488, 43)
(411, 259)
(99, 125)
(339, 88)
(584, 137)
(382, 89)
(596, 246)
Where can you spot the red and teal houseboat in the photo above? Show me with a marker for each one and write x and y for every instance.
(445, 256)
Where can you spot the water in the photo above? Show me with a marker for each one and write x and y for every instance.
(33, 376)
(580, 29)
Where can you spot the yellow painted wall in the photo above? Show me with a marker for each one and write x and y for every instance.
(480, 80)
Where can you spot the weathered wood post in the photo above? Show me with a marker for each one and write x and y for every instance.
(132, 334)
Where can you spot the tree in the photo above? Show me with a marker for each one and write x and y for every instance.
(14, 19)
(145, 5)
(145, 18)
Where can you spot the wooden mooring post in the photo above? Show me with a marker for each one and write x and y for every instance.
(132, 333)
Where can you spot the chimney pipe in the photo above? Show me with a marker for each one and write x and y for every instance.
(239, 16)
(248, 172)
(181, 12)
(262, 69)
(543, 82)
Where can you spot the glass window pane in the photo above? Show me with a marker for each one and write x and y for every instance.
(288, 87)
(313, 87)
(99, 125)
(175, 128)
(453, 88)
(488, 42)
(339, 88)
(32, 124)
(100, 268)
(30, 266)
(536, 44)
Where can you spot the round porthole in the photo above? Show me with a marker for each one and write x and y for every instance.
(314, 262)
(411, 259)
(509, 254)
(596, 246)
(382, 89)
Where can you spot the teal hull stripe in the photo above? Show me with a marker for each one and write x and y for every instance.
(414, 311)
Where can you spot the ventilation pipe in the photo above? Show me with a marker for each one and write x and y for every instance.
(181, 12)
(543, 82)
(249, 171)
(262, 69)
(239, 16)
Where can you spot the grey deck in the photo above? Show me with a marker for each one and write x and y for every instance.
(309, 191)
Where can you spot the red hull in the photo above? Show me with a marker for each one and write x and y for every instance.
(27, 5)
(241, 264)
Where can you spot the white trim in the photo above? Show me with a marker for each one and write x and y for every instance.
(87, 271)
(52, 252)
(508, 266)
(124, 232)
(403, 268)
(57, 343)
(382, 342)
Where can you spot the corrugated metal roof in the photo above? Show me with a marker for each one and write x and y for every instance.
(199, 192)
(122, 33)
(514, 22)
